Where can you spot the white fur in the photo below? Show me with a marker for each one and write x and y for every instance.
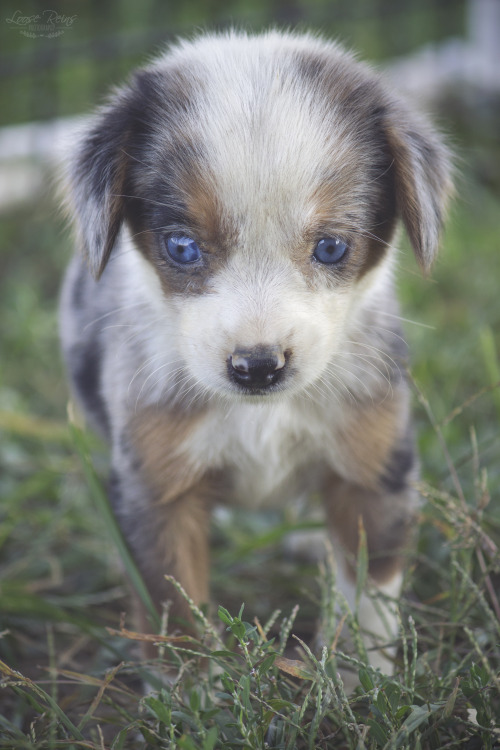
(377, 615)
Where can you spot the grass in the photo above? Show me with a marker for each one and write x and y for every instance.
(70, 668)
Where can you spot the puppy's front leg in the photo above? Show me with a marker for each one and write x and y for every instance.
(163, 507)
(387, 523)
(381, 497)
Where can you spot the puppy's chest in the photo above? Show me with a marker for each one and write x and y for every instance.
(268, 456)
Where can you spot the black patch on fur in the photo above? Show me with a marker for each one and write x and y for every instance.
(310, 66)
(120, 146)
(155, 206)
(161, 159)
(401, 462)
(132, 523)
(86, 374)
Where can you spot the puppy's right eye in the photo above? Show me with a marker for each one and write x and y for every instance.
(182, 249)
(330, 250)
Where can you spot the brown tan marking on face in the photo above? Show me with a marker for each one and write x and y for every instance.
(204, 210)
(359, 210)
(202, 219)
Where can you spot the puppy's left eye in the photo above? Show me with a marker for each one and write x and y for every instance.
(330, 250)
(183, 249)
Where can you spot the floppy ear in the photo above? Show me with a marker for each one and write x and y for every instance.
(96, 184)
(422, 168)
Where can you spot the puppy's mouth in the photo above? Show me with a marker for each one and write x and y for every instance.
(258, 370)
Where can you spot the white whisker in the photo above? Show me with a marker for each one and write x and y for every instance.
(407, 320)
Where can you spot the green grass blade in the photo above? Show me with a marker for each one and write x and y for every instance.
(29, 687)
(491, 361)
(102, 502)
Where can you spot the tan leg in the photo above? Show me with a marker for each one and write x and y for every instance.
(386, 519)
(163, 506)
(168, 539)
(173, 540)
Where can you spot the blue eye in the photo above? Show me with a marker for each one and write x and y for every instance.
(183, 249)
(330, 250)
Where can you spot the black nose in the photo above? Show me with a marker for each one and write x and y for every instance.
(257, 367)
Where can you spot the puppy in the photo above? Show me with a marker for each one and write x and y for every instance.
(230, 324)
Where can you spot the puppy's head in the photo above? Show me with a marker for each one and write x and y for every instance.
(262, 178)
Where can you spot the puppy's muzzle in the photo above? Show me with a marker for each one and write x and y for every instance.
(257, 368)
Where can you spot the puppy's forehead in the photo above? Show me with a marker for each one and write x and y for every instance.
(269, 123)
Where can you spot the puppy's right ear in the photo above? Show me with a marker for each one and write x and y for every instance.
(422, 168)
(96, 183)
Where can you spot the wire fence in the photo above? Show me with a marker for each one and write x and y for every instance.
(56, 63)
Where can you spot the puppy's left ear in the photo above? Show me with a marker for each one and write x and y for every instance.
(422, 166)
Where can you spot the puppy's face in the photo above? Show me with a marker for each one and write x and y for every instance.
(261, 179)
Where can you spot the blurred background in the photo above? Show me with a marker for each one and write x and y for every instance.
(57, 61)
